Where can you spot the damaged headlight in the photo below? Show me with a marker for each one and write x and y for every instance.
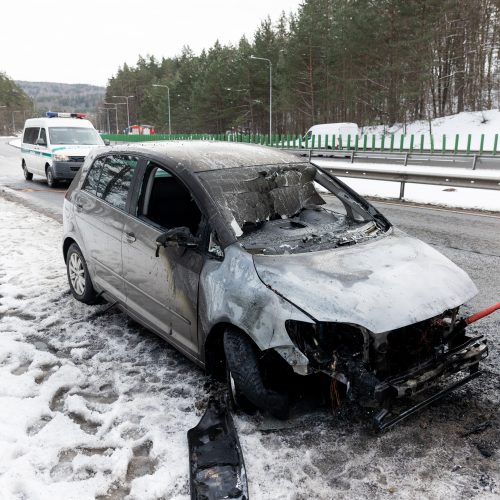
(324, 342)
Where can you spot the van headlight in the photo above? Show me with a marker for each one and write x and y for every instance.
(61, 157)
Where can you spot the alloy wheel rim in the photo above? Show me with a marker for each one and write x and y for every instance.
(76, 273)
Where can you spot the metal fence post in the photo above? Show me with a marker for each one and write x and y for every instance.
(432, 143)
(444, 144)
(412, 138)
(373, 142)
(495, 144)
(481, 144)
(457, 139)
(422, 143)
(348, 141)
(365, 138)
(469, 139)
(382, 143)
(402, 190)
(401, 142)
(356, 140)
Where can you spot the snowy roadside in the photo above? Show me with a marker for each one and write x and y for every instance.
(16, 143)
(93, 406)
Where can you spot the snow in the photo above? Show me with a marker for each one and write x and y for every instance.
(88, 406)
(468, 122)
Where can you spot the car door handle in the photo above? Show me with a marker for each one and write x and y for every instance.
(79, 207)
(130, 237)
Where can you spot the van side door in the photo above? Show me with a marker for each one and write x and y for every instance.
(29, 149)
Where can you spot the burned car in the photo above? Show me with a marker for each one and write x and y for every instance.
(259, 267)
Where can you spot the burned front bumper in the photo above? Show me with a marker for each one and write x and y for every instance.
(462, 358)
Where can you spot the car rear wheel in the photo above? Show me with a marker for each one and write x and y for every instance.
(245, 384)
(27, 175)
(51, 181)
(78, 276)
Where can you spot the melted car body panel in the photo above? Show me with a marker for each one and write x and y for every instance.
(380, 285)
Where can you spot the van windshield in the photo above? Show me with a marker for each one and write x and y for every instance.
(75, 135)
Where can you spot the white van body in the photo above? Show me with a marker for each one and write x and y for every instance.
(56, 148)
(330, 129)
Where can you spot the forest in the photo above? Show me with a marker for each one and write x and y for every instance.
(372, 62)
(15, 106)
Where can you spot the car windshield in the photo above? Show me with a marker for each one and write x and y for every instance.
(289, 208)
(75, 135)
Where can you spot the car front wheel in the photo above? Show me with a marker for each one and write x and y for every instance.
(244, 377)
(51, 181)
(78, 276)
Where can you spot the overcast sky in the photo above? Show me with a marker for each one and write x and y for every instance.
(85, 41)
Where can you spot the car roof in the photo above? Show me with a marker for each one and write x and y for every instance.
(201, 156)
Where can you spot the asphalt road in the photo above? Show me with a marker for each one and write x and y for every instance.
(454, 444)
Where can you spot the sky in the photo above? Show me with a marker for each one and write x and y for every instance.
(86, 41)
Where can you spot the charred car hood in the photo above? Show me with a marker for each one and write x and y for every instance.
(380, 285)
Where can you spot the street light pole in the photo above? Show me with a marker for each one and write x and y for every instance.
(107, 115)
(168, 98)
(270, 92)
(116, 113)
(127, 97)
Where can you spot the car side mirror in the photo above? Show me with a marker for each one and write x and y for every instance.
(40, 142)
(176, 237)
(107, 142)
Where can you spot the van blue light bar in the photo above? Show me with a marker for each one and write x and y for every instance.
(55, 114)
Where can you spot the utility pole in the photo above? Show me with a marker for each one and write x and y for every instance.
(270, 92)
(126, 97)
(107, 114)
(168, 99)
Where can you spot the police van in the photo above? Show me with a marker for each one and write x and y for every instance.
(56, 146)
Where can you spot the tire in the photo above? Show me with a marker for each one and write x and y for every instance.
(245, 378)
(79, 280)
(51, 181)
(27, 175)
(236, 397)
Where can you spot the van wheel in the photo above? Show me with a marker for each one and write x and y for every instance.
(245, 384)
(27, 175)
(51, 182)
(78, 276)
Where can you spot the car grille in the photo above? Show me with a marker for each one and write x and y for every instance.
(77, 159)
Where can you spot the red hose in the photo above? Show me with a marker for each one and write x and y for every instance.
(482, 314)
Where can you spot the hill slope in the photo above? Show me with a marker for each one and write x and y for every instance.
(54, 96)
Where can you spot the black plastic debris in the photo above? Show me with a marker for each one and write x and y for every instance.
(217, 469)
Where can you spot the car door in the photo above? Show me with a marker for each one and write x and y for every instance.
(162, 288)
(101, 207)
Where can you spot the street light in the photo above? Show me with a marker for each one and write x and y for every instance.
(107, 114)
(270, 92)
(116, 113)
(127, 97)
(168, 98)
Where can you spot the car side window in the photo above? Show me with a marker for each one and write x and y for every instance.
(115, 179)
(166, 201)
(92, 179)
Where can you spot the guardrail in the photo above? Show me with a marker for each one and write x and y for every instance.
(419, 175)
(471, 161)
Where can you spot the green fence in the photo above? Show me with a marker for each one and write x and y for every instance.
(458, 143)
